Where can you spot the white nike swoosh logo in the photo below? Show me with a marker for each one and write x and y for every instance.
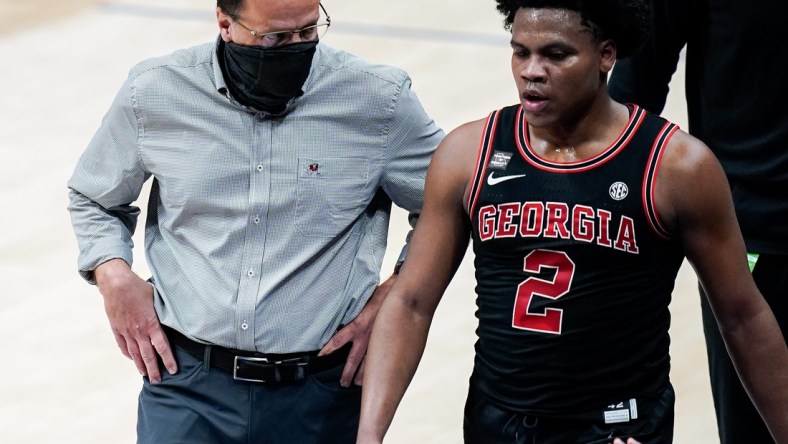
(492, 180)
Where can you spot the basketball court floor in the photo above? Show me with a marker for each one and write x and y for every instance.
(62, 378)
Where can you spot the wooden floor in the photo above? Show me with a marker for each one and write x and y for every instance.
(62, 379)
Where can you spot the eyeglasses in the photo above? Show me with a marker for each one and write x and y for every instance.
(277, 38)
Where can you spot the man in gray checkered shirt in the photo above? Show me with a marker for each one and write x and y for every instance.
(275, 161)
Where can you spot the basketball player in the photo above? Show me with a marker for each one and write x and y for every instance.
(581, 210)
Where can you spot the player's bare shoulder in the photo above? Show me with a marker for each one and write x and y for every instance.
(685, 153)
(687, 161)
(688, 174)
(454, 161)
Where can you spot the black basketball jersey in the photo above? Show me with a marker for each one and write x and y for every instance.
(574, 271)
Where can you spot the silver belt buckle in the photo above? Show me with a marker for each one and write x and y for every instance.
(248, 359)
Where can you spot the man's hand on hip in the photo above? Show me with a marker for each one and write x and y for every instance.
(128, 301)
(358, 332)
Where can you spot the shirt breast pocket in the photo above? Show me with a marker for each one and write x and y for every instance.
(331, 194)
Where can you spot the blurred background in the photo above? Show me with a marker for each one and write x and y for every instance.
(62, 378)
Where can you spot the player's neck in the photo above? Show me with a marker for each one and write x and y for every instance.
(581, 137)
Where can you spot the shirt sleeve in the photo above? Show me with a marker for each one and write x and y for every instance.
(107, 179)
(644, 77)
(412, 138)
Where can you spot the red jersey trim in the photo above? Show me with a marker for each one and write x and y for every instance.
(527, 152)
(482, 160)
(649, 180)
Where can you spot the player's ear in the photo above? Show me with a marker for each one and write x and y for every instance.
(607, 52)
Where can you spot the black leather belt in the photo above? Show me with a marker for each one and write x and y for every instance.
(261, 367)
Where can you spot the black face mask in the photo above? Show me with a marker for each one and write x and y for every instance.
(267, 78)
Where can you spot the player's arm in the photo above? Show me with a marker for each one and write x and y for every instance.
(694, 194)
(437, 248)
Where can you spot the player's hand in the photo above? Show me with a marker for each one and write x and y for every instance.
(128, 301)
(629, 441)
(358, 332)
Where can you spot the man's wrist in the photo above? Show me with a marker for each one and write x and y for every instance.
(110, 271)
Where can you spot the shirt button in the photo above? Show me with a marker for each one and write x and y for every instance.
(260, 167)
(244, 326)
(257, 220)
(250, 273)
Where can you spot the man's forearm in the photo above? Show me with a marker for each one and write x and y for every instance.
(102, 234)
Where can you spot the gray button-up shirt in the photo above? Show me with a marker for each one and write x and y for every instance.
(264, 233)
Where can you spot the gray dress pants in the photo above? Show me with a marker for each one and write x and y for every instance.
(205, 405)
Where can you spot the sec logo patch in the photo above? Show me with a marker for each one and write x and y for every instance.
(619, 190)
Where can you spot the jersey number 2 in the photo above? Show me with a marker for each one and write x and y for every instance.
(548, 321)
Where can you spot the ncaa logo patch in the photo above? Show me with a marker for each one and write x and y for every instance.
(500, 160)
(619, 190)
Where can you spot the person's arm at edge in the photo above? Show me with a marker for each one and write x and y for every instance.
(644, 77)
(438, 246)
(107, 178)
(702, 209)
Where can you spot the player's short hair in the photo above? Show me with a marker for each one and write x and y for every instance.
(623, 21)
(230, 7)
